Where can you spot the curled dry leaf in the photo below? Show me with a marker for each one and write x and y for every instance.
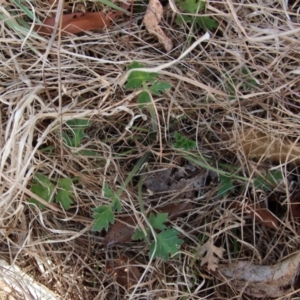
(78, 22)
(260, 215)
(262, 281)
(176, 210)
(123, 229)
(152, 19)
(123, 270)
(260, 145)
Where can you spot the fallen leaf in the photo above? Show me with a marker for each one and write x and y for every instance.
(273, 281)
(157, 182)
(261, 145)
(78, 22)
(123, 270)
(183, 181)
(120, 232)
(210, 254)
(176, 210)
(152, 20)
(260, 215)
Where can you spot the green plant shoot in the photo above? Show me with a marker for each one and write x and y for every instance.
(165, 243)
(61, 193)
(195, 7)
(75, 132)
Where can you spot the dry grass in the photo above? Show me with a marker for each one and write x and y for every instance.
(209, 102)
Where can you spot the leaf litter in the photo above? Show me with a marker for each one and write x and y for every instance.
(261, 281)
(78, 22)
(201, 102)
(152, 20)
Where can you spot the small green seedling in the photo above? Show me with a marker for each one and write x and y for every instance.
(181, 142)
(165, 243)
(104, 215)
(240, 83)
(225, 186)
(268, 181)
(75, 132)
(265, 181)
(73, 137)
(114, 6)
(61, 192)
(147, 81)
(195, 7)
(149, 86)
(64, 194)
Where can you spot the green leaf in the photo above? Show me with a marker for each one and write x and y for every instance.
(144, 98)
(65, 193)
(225, 185)
(157, 221)
(183, 142)
(249, 82)
(167, 242)
(136, 79)
(135, 65)
(116, 205)
(191, 6)
(114, 6)
(108, 193)
(206, 22)
(103, 216)
(65, 183)
(268, 181)
(140, 235)
(159, 87)
(43, 188)
(64, 198)
(195, 7)
(75, 132)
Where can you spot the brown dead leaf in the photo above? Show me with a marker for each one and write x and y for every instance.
(123, 270)
(259, 281)
(260, 215)
(78, 22)
(261, 145)
(120, 232)
(157, 182)
(210, 254)
(152, 20)
(176, 210)
(181, 181)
